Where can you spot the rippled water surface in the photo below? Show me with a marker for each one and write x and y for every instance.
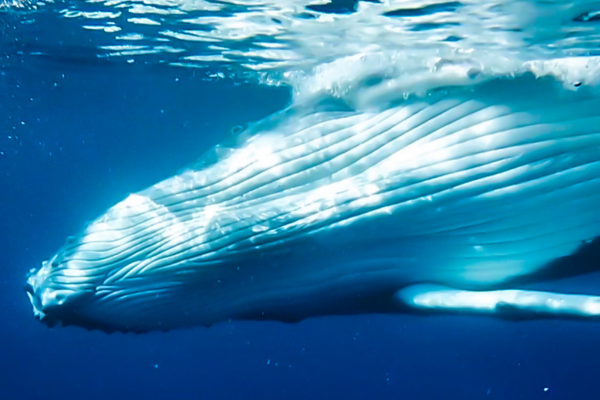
(321, 45)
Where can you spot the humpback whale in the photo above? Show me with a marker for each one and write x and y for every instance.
(448, 202)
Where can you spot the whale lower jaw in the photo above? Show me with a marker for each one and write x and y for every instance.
(343, 211)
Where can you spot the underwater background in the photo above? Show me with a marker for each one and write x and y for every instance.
(79, 132)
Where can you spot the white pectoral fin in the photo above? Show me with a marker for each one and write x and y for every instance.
(436, 298)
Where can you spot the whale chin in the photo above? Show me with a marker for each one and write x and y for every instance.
(443, 203)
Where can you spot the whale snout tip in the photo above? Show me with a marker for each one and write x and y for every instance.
(28, 287)
(31, 285)
(45, 300)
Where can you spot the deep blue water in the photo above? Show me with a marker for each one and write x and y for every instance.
(76, 137)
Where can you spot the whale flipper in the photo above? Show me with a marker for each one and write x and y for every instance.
(438, 298)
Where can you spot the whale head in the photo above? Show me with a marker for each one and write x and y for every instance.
(119, 273)
(55, 292)
(97, 271)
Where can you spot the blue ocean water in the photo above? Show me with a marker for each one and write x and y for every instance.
(78, 133)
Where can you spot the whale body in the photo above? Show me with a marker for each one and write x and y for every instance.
(443, 202)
